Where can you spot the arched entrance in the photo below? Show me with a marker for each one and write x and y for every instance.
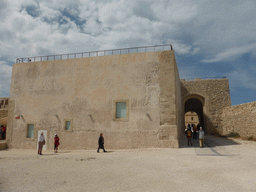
(195, 104)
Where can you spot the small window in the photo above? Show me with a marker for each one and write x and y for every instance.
(120, 109)
(67, 125)
(192, 118)
(30, 131)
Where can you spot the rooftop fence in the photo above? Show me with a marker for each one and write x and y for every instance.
(203, 78)
(96, 53)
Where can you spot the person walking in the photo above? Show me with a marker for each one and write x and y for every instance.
(1, 128)
(56, 143)
(3, 132)
(101, 143)
(41, 143)
(201, 137)
(194, 132)
(189, 135)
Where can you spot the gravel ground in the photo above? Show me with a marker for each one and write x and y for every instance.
(223, 165)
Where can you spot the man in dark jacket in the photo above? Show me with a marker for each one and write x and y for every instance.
(189, 135)
(101, 143)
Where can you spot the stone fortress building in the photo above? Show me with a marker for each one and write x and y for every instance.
(133, 96)
(191, 118)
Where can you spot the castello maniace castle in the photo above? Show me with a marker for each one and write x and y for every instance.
(134, 96)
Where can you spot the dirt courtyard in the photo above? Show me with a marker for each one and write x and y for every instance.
(223, 165)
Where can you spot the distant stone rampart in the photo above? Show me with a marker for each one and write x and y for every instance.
(240, 119)
(3, 109)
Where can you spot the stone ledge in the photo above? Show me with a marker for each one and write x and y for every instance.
(169, 144)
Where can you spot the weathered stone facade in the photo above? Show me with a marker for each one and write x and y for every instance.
(240, 119)
(3, 115)
(214, 96)
(85, 91)
(4, 106)
(4, 103)
(191, 118)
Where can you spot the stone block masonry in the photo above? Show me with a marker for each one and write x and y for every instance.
(214, 96)
(4, 103)
(84, 92)
(240, 119)
(3, 113)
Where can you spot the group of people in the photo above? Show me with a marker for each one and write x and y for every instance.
(192, 131)
(3, 132)
(41, 143)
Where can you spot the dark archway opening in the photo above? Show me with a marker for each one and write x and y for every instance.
(195, 105)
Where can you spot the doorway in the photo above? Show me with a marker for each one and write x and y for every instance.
(194, 107)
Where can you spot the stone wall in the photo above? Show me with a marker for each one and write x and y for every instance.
(170, 104)
(3, 114)
(214, 95)
(240, 119)
(84, 90)
(4, 103)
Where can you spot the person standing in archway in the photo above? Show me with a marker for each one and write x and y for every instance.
(194, 131)
(198, 126)
(41, 143)
(189, 135)
(201, 137)
(56, 143)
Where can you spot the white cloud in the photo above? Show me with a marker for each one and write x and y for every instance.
(232, 53)
(111, 24)
(182, 48)
(243, 78)
(216, 30)
(175, 11)
(5, 79)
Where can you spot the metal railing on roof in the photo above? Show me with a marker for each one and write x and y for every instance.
(96, 53)
(203, 78)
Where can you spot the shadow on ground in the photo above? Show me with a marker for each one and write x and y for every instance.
(209, 141)
(107, 152)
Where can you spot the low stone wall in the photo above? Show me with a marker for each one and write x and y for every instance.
(3, 113)
(240, 119)
(3, 116)
(3, 145)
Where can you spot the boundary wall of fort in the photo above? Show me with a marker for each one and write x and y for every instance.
(240, 119)
(4, 103)
(84, 93)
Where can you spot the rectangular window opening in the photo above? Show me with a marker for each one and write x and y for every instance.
(30, 131)
(120, 110)
(67, 125)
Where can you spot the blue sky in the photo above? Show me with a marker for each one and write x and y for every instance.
(210, 38)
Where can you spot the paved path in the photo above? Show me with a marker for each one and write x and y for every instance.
(223, 165)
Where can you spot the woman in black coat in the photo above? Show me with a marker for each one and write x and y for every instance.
(101, 143)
